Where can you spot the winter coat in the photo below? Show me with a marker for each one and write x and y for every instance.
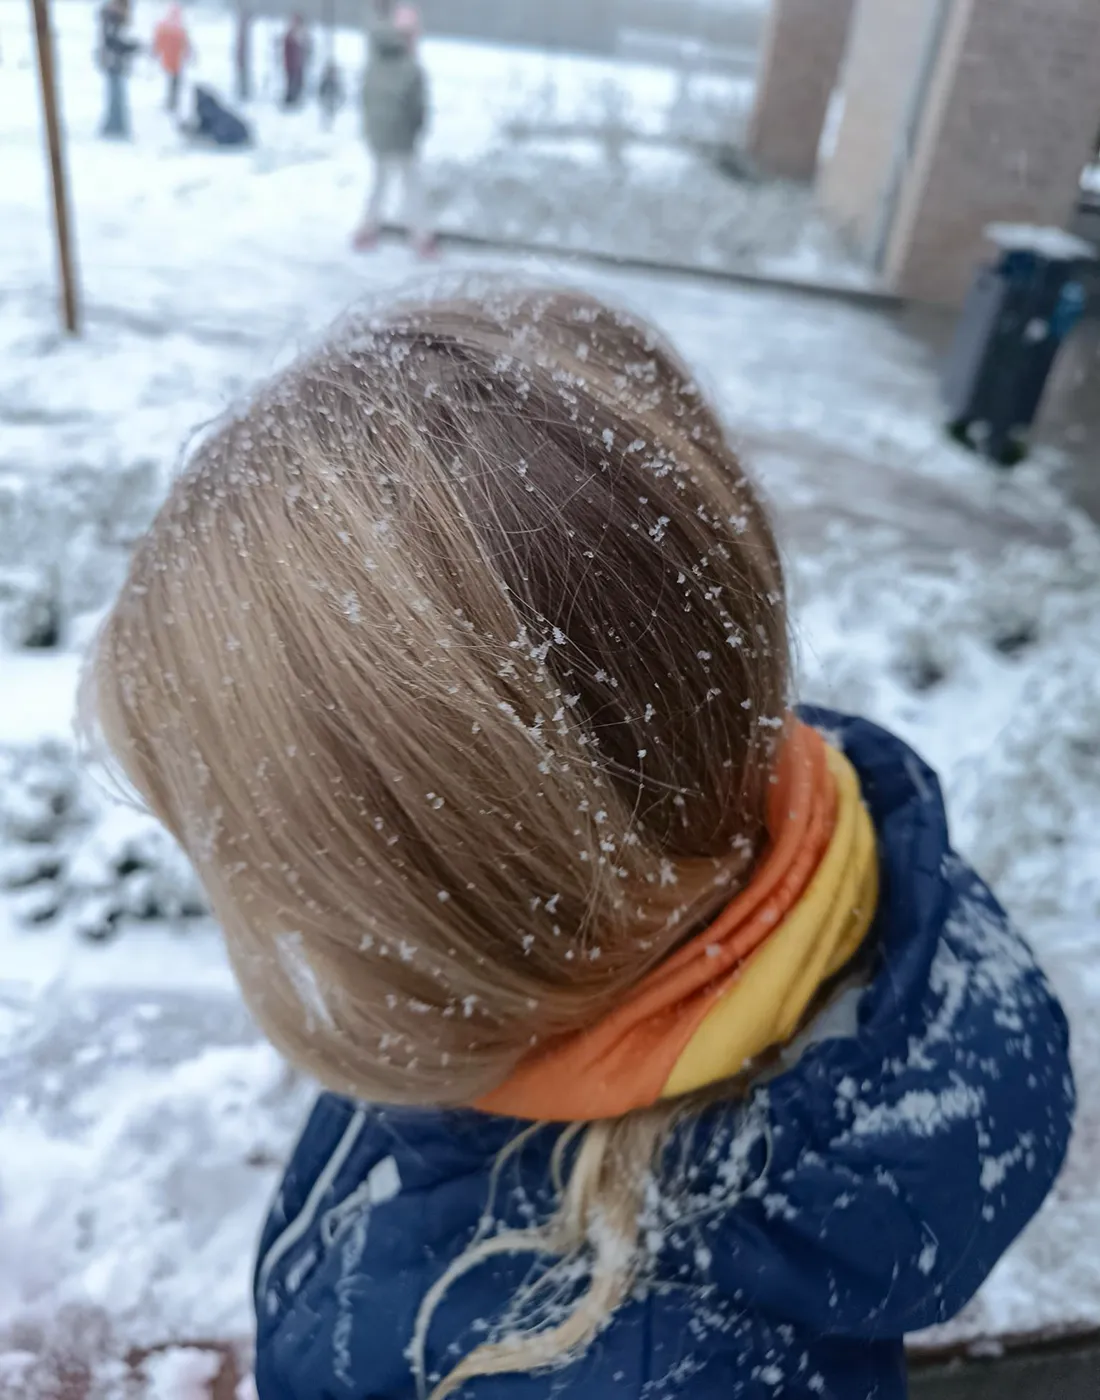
(296, 49)
(171, 44)
(116, 48)
(394, 94)
(863, 1192)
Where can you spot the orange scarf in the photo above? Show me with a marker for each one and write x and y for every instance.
(628, 1060)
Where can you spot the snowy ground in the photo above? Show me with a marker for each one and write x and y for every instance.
(557, 151)
(141, 1122)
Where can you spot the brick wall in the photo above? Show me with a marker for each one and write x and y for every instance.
(803, 47)
(1010, 120)
(876, 83)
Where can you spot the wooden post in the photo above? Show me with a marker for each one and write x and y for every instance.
(47, 78)
(328, 20)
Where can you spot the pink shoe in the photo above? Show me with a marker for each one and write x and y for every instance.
(426, 248)
(365, 238)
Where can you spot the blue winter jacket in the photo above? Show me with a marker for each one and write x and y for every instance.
(862, 1193)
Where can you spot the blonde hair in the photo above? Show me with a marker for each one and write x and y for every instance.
(454, 663)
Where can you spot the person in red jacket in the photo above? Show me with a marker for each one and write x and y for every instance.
(172, 47)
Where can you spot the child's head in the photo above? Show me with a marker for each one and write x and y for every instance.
(407, 23)
(453, 662)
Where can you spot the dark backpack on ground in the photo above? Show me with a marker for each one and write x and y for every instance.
(217, 123)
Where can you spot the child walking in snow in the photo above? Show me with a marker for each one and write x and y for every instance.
(670, 1048)
(394, 115)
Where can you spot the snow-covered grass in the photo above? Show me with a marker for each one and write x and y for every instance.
(141, 1122)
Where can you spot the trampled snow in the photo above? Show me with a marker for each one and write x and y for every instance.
(142, 1122)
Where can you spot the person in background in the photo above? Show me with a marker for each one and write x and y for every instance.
(116, 52)
(242, 54)
(173, 48)
(395, 109)
(330, 91)
(296, 51)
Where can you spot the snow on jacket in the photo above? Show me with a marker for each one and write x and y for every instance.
(394, 94)
(862, 1193)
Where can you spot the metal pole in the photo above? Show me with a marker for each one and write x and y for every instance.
(44, 40)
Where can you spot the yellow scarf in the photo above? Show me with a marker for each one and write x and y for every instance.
(823, 931)
(745, 983)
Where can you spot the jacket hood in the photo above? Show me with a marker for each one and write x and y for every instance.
(862, 1192)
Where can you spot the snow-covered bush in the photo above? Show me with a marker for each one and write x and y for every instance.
(681, 209)
(989, 668)
(28, 607)
(65, 536)
(69, 850)
(1034, 816)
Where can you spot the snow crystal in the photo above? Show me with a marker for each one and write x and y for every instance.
(920, 1112)
(777, 1206)
(926, 1259)
(299, 970)
(181, 1373)
(384, 1181)
(995, 1169)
